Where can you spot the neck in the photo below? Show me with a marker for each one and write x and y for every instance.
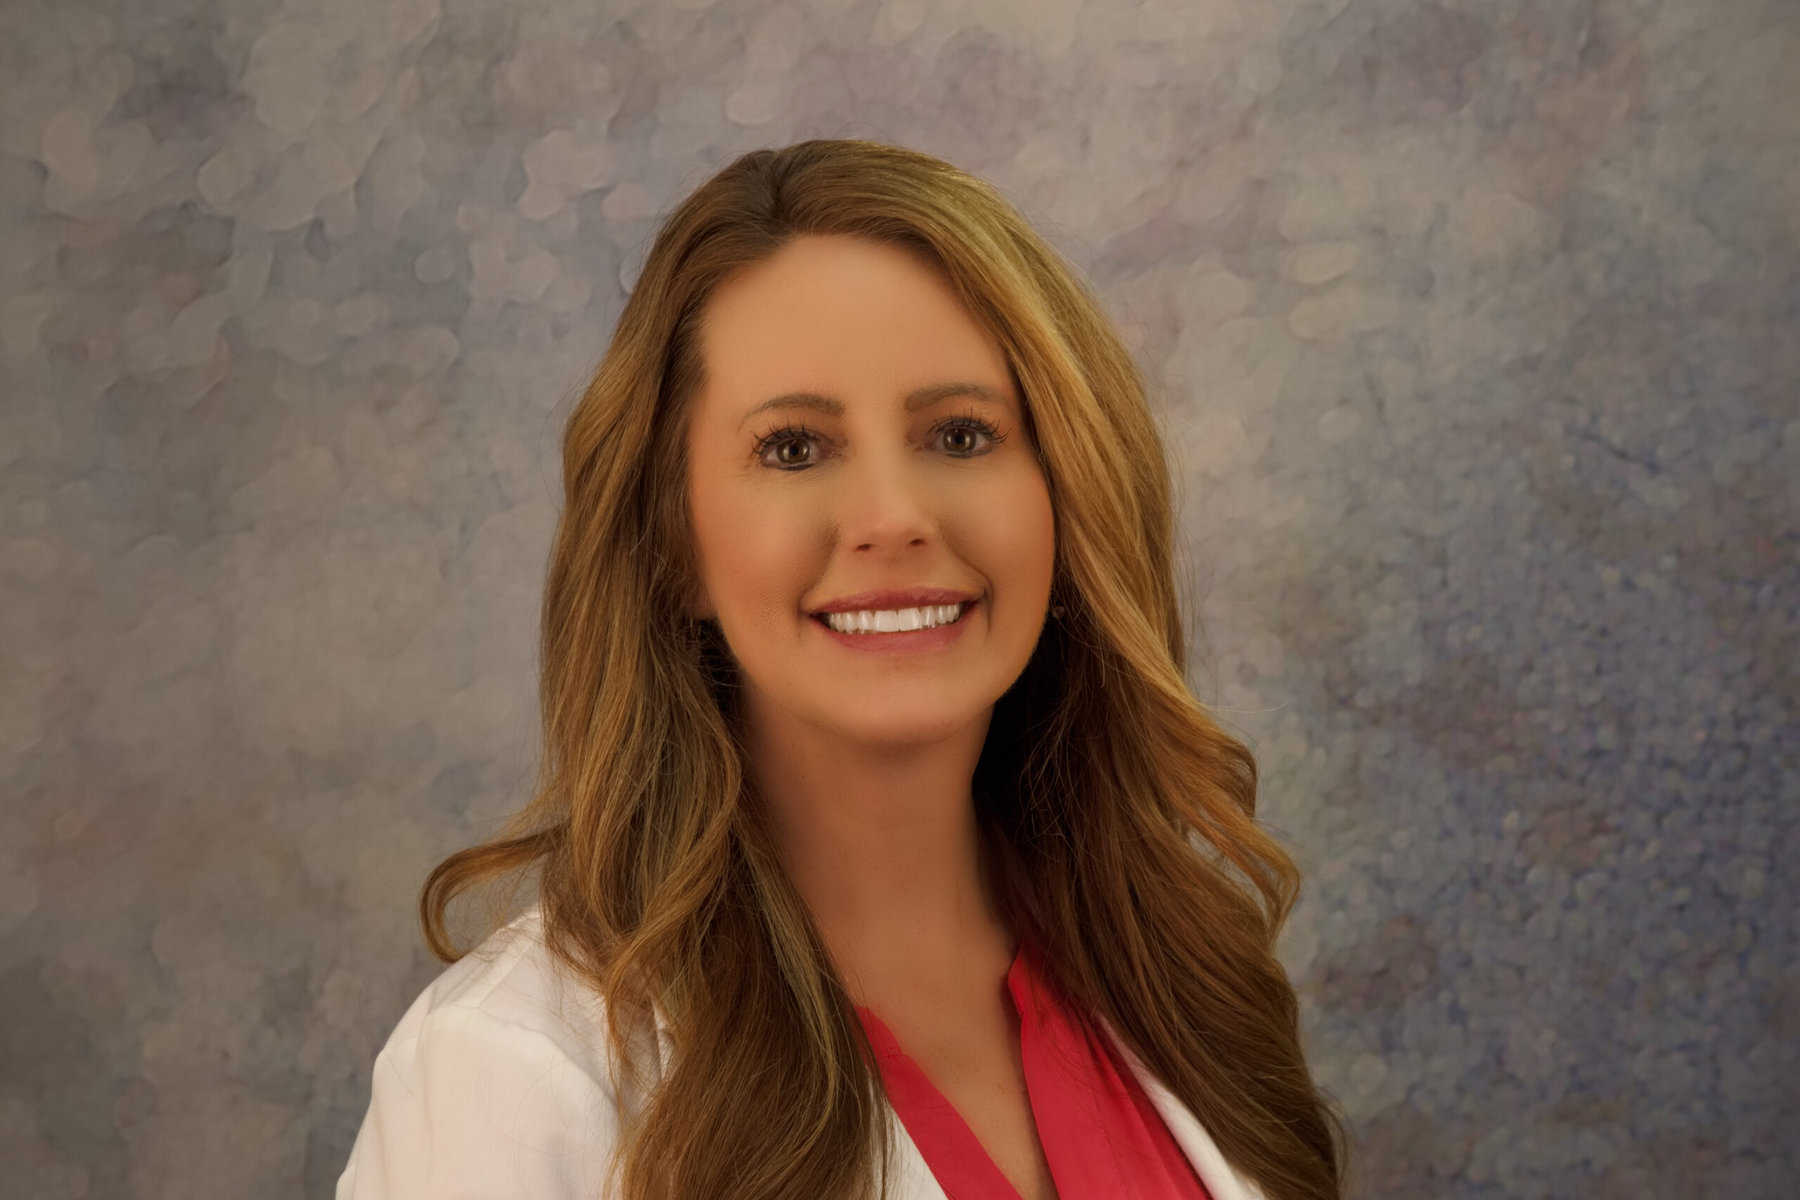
(884, 847)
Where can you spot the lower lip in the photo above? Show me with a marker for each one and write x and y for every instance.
(909, 642)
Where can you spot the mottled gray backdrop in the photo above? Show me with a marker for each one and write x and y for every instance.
(1473, 327)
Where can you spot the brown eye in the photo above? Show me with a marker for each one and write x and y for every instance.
(964, 426)
(971, 426)
(779, 440)
(962, 431)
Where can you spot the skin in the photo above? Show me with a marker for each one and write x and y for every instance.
(865, 761)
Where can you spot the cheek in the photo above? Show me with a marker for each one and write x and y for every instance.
(751, 556)
(1018, 535)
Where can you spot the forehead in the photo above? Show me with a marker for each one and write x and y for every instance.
(841, 316)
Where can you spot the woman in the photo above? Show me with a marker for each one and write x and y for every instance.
(960, 896)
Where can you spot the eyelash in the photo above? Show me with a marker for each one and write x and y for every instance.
(776, 437)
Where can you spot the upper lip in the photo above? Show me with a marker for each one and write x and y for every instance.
(892, 599)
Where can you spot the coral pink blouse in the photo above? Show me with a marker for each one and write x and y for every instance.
(1100, 1133)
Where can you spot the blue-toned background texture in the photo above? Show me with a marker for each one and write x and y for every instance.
(1473, 327)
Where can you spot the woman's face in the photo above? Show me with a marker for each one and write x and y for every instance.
(873, 493)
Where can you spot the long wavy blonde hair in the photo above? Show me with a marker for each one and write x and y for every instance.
(1116, 814)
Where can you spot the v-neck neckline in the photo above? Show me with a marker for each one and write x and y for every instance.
(948, 1123)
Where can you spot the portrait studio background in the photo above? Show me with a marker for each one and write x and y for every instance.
(1472, 329)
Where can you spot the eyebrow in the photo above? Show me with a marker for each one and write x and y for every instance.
(916, 399)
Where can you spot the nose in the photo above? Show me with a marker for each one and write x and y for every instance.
(886, 501)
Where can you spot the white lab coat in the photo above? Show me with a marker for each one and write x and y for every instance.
(494, 1084)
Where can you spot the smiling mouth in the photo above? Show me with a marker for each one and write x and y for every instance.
(962, 614)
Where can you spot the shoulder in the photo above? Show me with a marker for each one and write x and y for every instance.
(496, 1078)
(515, 989)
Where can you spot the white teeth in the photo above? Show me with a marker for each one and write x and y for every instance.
(894, 620)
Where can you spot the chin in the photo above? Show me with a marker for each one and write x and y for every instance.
(888, 725)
